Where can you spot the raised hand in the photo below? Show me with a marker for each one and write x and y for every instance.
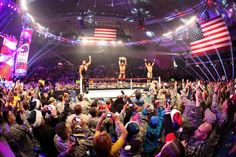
(216, 88)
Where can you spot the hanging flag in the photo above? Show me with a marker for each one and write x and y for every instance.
(7, 56)
(102, 34)
(215, 36)
(23, 52)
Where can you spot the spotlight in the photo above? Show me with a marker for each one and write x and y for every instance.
(192, 20)
(23, 5)
(112, 42)
(131, 20)
(179, 28)
(79, 17)
(175, 65)
(149, 34)
(85, 41)
(31, 17)
(168, 34)
(102, 42)
(119, 42)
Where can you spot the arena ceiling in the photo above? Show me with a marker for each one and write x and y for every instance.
(127, 16)
(155, 8)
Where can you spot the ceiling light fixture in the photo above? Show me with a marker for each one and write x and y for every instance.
(149, 34)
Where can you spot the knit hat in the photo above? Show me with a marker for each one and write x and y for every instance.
(176, 118)
(209, 116)
(35, 104)
(133, 128)
(170, 137)
(35, 118)
(154, 122)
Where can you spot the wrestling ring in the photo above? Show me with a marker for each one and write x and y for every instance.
(111, 87)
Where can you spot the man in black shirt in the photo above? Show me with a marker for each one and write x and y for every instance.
(83, 73)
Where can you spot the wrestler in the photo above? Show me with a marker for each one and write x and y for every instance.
(83, 74)
(122, 67)
(149, 67)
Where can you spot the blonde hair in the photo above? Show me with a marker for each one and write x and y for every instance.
(102, 144)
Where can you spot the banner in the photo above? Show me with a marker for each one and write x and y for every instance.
(7, 56)
(23, 52)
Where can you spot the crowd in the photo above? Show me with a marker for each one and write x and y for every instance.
(192, 119)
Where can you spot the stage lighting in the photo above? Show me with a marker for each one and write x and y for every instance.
(149, 34)
(179, 28)
(31, 17)
(119, 42)
(113, 42)
(85, 41)
(102, 43)
(23, 5)
(192, 20)
(79, 17)
(175, 65)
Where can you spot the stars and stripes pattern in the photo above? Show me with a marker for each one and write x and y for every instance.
(215, 37)
(103, 34)
(7, 56)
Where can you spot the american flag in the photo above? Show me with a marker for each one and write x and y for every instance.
(103, 34)
(215, 36)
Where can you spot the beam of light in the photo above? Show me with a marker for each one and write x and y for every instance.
(187, 72)
(112, 3)
(232, 59)
(191, 20)
(6, 25)
(4, 22)
(72, 29)
(200, 68)
(31, 17)
(23, 5)
(38, 52)
(95, 4)
(222, 64)
(213, 66)
(175, 65)
(65, 60)
(42, 54)
(3, 15)
(184, 69)
(78, 3)
(119, 42)
(193, 70)
(206, 68)
(10, 20)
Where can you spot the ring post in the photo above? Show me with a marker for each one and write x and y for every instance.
(81, 86)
